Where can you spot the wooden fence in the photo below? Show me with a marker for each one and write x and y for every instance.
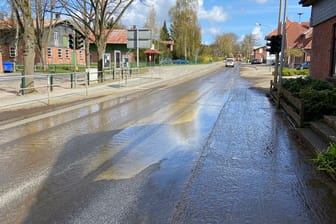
(289, 103)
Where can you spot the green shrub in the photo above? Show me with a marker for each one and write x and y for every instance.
(318, 97)
(317, 102)
(292, 71)
(326, 161)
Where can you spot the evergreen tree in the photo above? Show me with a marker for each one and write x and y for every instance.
(164, 34)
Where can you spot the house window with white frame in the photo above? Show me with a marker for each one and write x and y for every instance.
(60, 53)
(81, 56)
(49, 52)
(12, 52)
(56, 38)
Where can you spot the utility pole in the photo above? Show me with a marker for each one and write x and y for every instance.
(276, 71)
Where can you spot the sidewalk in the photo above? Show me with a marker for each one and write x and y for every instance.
(14, 107)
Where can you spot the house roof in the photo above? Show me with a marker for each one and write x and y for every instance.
(293, 32)
(152, 51)
(116, 36)
(306, 2)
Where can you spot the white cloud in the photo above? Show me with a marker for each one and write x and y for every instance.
(214, 31)
(216, 13)
(137, 13)
(261, 1)
(258, 34)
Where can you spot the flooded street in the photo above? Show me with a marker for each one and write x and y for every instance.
(210, 150)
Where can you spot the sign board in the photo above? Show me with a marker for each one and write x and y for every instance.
(144, 38)
(107, 60)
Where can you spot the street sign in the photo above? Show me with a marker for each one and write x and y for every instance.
(144, 38)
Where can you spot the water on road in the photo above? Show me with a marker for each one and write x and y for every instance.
(210, 150)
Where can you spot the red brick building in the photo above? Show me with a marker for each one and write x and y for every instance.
(260, 54)
(57, 52)
(323, 20)
(298, 37)
(116, 42)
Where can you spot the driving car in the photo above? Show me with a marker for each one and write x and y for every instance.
(229, 62)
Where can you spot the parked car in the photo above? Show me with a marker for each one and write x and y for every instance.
(304, 65)
(166, 61)
(229, 62)
(180, 61)
(255, 61)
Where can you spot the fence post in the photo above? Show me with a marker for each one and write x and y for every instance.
(23, 84)
(72, 80)
(51, 82)
(49, 86)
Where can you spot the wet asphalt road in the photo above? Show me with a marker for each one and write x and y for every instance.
(210, 150)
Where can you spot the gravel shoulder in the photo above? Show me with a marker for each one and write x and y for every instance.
(260, 75)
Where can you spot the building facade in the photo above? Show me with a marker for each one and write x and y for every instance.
(57, 51)
(298, 42)
(323, 21)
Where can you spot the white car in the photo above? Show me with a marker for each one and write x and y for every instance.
(229, 62)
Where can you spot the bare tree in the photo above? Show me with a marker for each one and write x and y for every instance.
(96, 17)
(225, 44)
(43, 27)
(247, 45)
(151, 23)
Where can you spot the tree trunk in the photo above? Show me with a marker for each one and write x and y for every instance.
(100, 51)
(29, 50)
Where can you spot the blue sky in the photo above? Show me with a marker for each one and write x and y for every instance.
(217, 17)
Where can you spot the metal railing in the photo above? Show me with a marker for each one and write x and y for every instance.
(67, 83)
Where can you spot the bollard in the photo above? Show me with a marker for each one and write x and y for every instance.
(23, 85)
(72, 80)
(51, 82)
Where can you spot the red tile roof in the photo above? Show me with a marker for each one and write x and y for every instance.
(293, 32)
(116, 36)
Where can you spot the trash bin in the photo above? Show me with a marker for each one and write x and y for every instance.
(8, 66)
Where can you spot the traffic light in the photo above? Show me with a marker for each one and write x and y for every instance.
(71, 41)
(277, 43)
(79, 41)
(273, 44)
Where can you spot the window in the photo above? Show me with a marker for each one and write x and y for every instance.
(56, 39)
(81, 56)
(260, 50)
(12, 52)
(49, 52)
(55, 36)
(59, 52)
(67, 53)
